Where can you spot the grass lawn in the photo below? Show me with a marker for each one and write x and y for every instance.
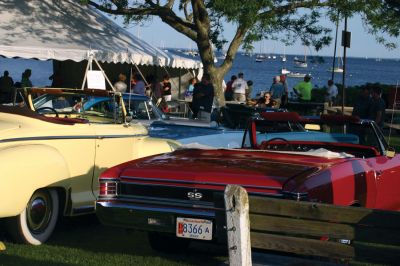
(84, 241)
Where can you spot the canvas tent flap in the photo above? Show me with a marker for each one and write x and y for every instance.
(65, 30)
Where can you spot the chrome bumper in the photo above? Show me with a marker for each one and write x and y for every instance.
(147, 218)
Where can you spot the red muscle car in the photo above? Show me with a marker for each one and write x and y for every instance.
(335, 159)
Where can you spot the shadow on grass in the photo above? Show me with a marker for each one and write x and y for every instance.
(87, 233)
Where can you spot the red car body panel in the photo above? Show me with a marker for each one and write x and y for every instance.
(151, 193)
(349, 181)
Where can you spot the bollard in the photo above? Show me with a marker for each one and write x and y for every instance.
(238, 225)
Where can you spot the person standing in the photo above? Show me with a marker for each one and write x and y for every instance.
(362, 104)
(120, 85)
(140, 87)
(249, 90)
(285, 96)
(166, 89)
(25, 81)
(189, 91)
(6, 88)
(229, 90)
(239, 87)
(303, 89)
(377, 107)
(277, 90)
(203, 96)
(331, 93)
(56, 80)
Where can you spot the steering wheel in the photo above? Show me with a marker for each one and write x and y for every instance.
(47, 108)
(265, 144)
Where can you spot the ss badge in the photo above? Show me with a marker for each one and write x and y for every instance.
(194, 195)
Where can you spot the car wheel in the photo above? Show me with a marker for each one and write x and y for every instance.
(36, 223)
(167, 242)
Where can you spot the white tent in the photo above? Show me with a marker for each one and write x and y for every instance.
(65, 30)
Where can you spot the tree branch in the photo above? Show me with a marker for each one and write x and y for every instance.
(233, 48)
(169, 4)
(285, 9)
(188, 16)
(166, 14)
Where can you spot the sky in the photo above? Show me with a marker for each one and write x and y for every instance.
(363, 44)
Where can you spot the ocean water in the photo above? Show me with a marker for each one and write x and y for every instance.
(359, 71)
(41, 70)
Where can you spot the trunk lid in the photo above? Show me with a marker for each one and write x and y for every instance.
(257, 171)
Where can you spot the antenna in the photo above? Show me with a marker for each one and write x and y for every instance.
(391, 120)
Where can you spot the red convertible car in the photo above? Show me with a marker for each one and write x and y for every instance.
(334, 159)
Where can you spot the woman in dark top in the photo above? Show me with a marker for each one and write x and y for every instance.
(166, 90)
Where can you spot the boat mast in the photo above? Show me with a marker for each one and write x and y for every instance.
(334, 51)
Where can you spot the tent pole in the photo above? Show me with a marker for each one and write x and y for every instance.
(86, 71)
(141, 74)
(104, 74)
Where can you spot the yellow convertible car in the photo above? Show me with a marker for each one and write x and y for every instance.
(53, 146)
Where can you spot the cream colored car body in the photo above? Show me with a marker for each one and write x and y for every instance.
(37, 154)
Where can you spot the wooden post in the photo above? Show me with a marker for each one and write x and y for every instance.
(238, 225)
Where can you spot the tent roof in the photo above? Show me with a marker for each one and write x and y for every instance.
(65, 30)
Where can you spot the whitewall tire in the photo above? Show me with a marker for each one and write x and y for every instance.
(37, 222)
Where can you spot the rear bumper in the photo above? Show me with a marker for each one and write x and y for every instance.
(156, 218)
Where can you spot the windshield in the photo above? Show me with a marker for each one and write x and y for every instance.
(270, 129)
(362, 133)
(143, 109)
(95, 109)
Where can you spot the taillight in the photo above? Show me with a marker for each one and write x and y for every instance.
(108, 188)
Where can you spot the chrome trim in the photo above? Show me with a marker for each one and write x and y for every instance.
(107, 179)
(160, 201)
(72, 137)
(181, 203)
(155, 209)
(298, 196)
(189, 182)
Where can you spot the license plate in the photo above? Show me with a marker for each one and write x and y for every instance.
(194, 228)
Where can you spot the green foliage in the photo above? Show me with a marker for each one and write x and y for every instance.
(287, 21)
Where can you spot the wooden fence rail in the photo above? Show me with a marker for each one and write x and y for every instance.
(305, 228)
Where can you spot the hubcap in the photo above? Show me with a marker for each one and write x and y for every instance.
(39, 212)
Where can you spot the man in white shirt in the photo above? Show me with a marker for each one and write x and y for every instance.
(331, 93)
(239, 87)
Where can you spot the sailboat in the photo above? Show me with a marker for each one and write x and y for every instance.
(301, 63)
(296, 75)
(261, 56)
(338, 68)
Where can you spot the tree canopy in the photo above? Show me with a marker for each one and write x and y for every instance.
(203, 22)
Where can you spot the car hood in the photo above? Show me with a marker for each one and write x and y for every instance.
(7, 126)
(257, 171)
